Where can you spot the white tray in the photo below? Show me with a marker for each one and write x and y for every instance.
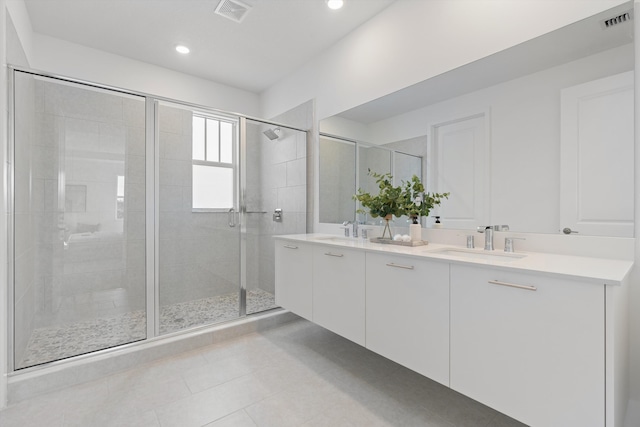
(397, 242)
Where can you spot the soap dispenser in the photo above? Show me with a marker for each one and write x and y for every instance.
(437, 224)
(415, 230)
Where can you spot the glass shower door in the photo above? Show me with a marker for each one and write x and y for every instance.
(79, 219)
(199, 232)
(221, 180)
(275, 202)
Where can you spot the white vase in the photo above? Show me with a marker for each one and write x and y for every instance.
(415, 231)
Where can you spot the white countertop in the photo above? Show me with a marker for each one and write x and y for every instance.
(592, 270)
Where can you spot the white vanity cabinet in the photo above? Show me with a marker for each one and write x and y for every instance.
(294, 266)
(543, 338)
(339, 291)
(528, 345)
(407, 317)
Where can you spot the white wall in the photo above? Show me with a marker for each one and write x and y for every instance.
(73, 60)
(17, 12)
(411, 41)
(350, 129)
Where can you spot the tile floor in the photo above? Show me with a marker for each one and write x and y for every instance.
(297, 374)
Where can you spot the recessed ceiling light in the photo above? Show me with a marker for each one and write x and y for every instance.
(182, 49)
(335, 4)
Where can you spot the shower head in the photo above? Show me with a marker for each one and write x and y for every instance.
(272, 133)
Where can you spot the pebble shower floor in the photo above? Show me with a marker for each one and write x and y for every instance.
(59, 342)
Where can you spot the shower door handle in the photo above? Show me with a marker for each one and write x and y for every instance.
(232, 217)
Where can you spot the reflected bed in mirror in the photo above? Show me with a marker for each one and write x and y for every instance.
(524, 137)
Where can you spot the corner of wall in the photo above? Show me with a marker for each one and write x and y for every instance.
(16, 11)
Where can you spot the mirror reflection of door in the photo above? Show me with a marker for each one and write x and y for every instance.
(596, 164)
(458, 165)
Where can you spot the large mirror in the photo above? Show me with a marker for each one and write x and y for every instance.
(532, 136)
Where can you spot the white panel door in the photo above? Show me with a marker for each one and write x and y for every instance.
(458, 164)
(596, 163)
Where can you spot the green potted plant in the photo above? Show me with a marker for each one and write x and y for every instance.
(388, 202)
(408, 199)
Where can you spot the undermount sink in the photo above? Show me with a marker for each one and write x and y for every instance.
(335, 239)
(479, 255)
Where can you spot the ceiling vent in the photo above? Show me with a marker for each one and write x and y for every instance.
(619, 19)
(233, 9)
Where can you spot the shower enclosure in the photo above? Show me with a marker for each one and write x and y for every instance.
(134, 217)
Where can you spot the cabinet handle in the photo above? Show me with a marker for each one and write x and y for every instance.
(513, 285)
(332, 254)
(290, 246)
(406, 267)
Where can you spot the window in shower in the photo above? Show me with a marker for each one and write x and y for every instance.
(213, 170)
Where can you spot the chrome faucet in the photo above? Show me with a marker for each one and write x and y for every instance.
(354, 228)
(508, 243)
(345, 225)
(488, 234)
